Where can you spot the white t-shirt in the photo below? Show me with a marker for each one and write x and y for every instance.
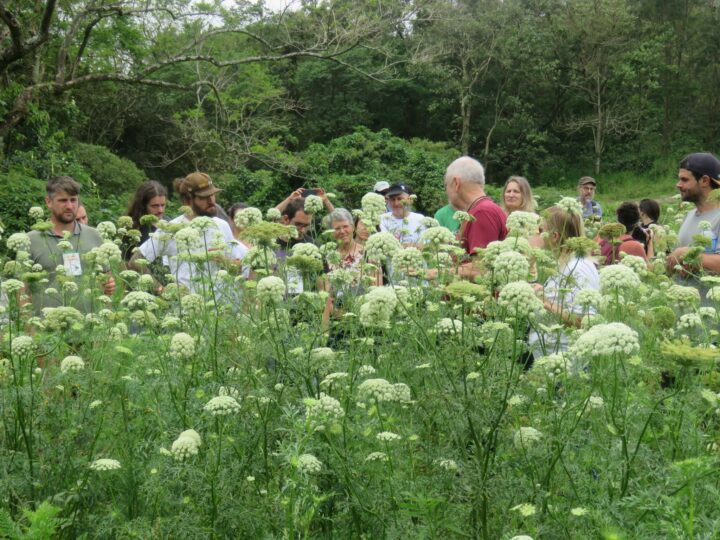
(576, 275)
(187, 273)
(407, 230)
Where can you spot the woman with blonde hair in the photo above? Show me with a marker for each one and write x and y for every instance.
(577, 271)
(517, 195)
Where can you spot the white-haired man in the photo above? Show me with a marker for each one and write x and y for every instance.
(465, 188)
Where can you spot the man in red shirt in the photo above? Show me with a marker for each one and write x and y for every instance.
(465, 188)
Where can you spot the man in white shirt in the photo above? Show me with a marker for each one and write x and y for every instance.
(404, 224)
(212, 239)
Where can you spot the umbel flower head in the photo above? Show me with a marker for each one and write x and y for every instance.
(519, 298)
(18, 242)
(271, 290)
(222, 406)
(313, 204)
(186, 445)
(408, 259)
(606, 340)
(105, 464)
(526, 437)
(570, 205)
(378, 306)
(72, 363)
(265, 234)
(308, 464)
(373, 205)
(684, 354)
(510, 266)
(436, 236)
(182, 346)
(22, 346)
(523, 223)
(381, 390)
(618, 277)
(248, 217)
(611, 231)
(580, 246)
(380, 246)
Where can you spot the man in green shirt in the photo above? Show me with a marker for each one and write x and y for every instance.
(444, 216)
(46, 249)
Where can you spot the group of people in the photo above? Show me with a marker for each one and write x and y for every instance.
(464, 183)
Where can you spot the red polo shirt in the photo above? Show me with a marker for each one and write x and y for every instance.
(489, 225)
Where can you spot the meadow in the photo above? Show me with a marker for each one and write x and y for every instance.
(239, 411)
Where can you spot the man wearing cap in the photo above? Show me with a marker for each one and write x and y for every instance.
(698, 176)
(586, 192)
(404, 224)
(198, 192)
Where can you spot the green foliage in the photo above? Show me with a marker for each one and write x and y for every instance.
(20, 191)
(109, 173)
(42, 523)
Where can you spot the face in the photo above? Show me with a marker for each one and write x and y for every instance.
(513, 196)
(81, 216)
(204, 206)
(398, 204)
(688, 187)
(587, 191)
(452, 190)
(361, 232)
(301, 221)
(156, 206)
(62, 207)
(343, 231)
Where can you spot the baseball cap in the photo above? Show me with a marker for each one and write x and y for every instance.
(397, 189)
(587, 180)
(702, 163)
(199, 184)
(381, 187)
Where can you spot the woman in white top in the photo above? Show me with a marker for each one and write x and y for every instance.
(575, 274)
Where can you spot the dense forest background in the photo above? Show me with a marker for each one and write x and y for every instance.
(342, 93)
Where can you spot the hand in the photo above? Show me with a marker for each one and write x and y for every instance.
(109, 287)
(297, 194)
(675, 258)
(321, 193)
(539, 289)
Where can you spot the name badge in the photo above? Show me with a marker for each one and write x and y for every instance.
(294, 281)
(71, 262)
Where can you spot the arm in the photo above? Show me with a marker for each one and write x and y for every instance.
(297, 194)
(326, 201)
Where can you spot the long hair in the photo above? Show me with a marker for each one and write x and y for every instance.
(145, 191)
(566, 224)
(528, 204)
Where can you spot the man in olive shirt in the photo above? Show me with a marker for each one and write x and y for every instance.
(63, 196)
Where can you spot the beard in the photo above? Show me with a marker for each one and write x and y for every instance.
(206, 211)
(65, 217)
(690, 196)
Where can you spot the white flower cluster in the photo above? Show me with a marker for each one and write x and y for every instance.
(552, 365)
(510, 266)
(182, 346)
(387, 437)
(341, 277)
(322, 355)
(192, 304)
(523, 223)
(72, 363)
(306, 249)
(588, 297)
(376, 456)
(203, 223)
(307, 463)
(106, 229)
(108, 252)
(271, 290)
(247, 217)
(381, 391)
(186, 445)
(618, 277)
(408, 259)
(606, 340)
(377, 307)
(435, 236)
(273, 214)
(429, 222)
(683, 297)
(18, 242)
(139, 300)
(570, 205)
(323, 409)
(11, 286)
(373, 205)
(689, 321)
(526, 437)
(260, 257)
(519, 298)
(313, 204)
(447, 326)
(380, 246)
(447, 464)
(493, 249)
(61, 318)
(636, 263)
(105, 464)
(36, 213)
(222, 406)
(463, 217)
(22, 346)
(187, 239)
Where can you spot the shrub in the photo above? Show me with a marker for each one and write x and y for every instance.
(110, 174)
